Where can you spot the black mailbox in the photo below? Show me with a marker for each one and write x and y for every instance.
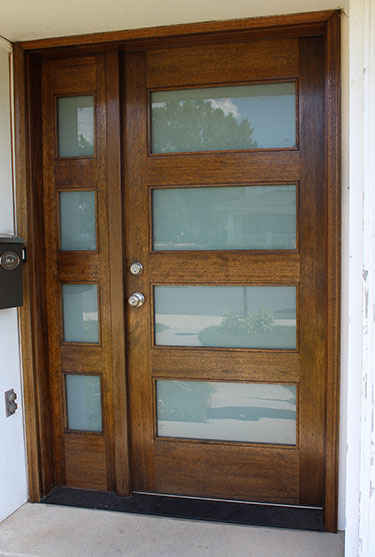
(11, 260)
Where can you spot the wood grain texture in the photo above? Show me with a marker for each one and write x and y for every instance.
(116, 261)
(32, 314)
(74, 76)
(332, 386)
(226, 364)
(313, 238)
(85, 461)
(157, 465)
(182, 468)
(136, 232)
(243, 62)
(70, 172)
(246, 167)
(201, 267)
(54, 317)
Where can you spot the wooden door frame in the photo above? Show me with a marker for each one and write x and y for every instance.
(28, 167)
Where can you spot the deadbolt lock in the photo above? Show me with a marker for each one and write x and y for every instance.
(136, 300)
(136, 268)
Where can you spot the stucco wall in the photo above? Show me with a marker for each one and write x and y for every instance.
(13, 486)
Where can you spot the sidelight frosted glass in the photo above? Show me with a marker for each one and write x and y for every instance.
(261, 116)
(77, 220)
(247, 412)
(84, 409)
(80, 312)
(226, 316)
(76, 126)
(240, 217)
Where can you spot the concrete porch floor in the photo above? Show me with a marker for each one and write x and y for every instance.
(50, 530)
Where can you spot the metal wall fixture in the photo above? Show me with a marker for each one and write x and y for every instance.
(10, 402)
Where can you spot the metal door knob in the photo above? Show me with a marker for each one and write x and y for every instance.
(136, 300)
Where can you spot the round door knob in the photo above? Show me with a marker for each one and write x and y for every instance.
(136, 268)
(136, 300)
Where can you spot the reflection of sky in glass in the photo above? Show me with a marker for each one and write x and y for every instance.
(269, 108)
(80, 312)
(85, 123)
(76, 126)
(83, 402)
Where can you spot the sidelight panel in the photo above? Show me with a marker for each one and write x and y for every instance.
(77, 220)
(75, 117)
(80, 313)
(83, 402)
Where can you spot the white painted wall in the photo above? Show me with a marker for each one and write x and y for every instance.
(13, 485)
(359, 366)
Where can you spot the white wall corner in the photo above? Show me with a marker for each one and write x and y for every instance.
(360, 465)
(5, 44)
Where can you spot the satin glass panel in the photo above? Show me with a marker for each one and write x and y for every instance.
(80, 313)
(83, 402)
(260, 116)
(247, 412)
(226, 316)
(76, 126)
(77, 220)
(240, 217)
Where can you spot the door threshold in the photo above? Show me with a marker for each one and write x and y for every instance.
(214, 510)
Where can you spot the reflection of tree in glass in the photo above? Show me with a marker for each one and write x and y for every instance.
(184, 401)
(93, 403)
(195, 125)
(84, 145)
(173, 214)
(85, 217)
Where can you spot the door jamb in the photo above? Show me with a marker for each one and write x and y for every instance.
(29, 224)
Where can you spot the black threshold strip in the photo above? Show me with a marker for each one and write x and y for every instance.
(304, 518)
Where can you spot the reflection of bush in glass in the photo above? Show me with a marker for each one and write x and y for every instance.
(93, 404)
(252, 324)
(249, 331)
(184, 401)
(84, 145)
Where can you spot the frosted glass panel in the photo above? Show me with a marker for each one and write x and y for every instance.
(76, 126)
(77, 220)
(247, 412)
(226, 316)
(241, 217)
(83, 402)
(261, 116)
(80, 312)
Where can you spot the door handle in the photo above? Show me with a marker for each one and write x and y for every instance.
(136, 300)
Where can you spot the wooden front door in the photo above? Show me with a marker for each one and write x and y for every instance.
(225, 210)
(188, 214)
